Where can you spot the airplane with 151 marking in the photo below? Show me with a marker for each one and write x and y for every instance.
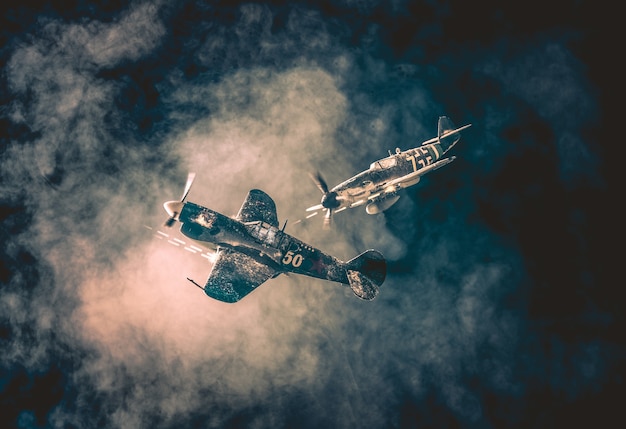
(378, 186)
(251, 249)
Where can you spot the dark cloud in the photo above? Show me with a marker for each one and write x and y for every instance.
(107, 111)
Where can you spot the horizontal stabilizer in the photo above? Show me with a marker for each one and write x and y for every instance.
(448, 133)
(445, 129)
(370, 263)
(362, 286)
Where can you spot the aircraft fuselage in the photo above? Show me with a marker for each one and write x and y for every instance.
(385, 170)
(378, 186)
(262, 242)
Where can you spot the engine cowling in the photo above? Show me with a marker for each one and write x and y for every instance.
(381, 205)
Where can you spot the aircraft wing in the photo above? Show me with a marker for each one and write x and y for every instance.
(420, 172)
(258, 206)
(234, 275)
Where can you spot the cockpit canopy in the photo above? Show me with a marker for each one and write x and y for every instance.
(384, 163)
(264, 232)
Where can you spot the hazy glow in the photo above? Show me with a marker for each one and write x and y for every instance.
(295, 100)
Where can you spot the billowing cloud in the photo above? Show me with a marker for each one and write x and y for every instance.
(251, 103)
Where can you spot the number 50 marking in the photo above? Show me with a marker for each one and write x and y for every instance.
(290, 258)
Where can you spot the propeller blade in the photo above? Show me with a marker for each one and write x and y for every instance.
(173, 207)
(190, 179)
(313, 208)
(319, 182)
(327, 218)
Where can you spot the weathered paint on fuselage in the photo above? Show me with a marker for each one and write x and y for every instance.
(261, 241)
(387, 169)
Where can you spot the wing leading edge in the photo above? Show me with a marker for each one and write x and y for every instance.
(412, 176)
(234, 275)
(258, 206)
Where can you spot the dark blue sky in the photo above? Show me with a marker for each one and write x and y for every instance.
(502, 306)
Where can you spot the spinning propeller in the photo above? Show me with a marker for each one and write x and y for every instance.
(173, 208)
(330, 200)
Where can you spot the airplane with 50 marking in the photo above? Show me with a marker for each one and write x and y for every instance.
(378, 186)
(251, 249)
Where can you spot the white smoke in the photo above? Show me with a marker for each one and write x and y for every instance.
(152, 348)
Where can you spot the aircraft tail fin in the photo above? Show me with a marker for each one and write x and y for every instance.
(444, 124)
(447, 134)
(366, 272)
